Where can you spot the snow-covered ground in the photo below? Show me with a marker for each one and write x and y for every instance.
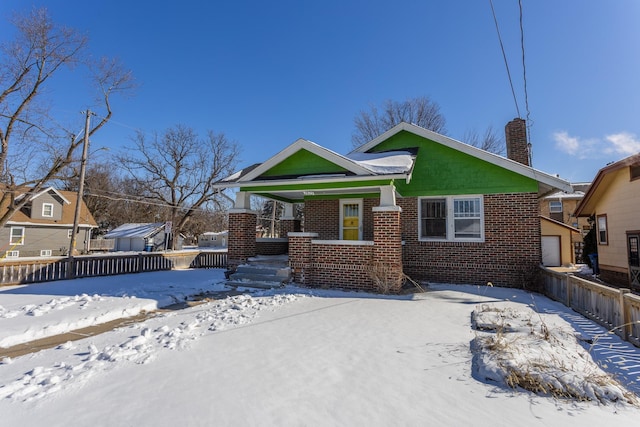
(305, 357)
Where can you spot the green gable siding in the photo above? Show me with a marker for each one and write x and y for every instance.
(303, 162)
(440, 170)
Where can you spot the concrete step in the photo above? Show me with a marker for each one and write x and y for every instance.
(254, 284)
(269, 260)
(263, 270)
(242, 276)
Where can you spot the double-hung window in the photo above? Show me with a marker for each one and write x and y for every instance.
(47, 210)
(17, 236)
(602, 229)
(452, 218)
(555, 210)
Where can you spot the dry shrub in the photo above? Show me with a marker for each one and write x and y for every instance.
(385, 277)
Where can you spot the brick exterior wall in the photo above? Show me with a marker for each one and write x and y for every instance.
(266, 246)
(289, 226)
(322, 217)
(516, 141)
(341, 266)
(242, 237)
(508, 256)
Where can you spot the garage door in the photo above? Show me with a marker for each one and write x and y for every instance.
(551, 251)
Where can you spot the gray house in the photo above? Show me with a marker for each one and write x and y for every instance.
(137, 237)
(44, 225)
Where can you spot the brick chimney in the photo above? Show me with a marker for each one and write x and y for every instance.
(516, 139)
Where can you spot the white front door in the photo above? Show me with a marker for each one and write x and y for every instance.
(351, 219)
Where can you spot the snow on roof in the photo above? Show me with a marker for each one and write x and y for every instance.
(214, 233)
(134, 230)
(565, 195)
(384, 163)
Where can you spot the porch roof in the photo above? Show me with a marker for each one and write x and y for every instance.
(305, 169)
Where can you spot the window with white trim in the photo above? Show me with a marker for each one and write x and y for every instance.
(13, 254)
(17, 236)
(69, 233)
(47, 210)
(45, 252)
(451, 218)
(602, 229)
(555, 206)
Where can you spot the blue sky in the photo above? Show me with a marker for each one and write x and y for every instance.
(267, 73)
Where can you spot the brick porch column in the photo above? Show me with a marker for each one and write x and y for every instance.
(300, 256)
(242, 232)
(387, 246)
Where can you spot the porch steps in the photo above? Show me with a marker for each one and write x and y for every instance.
(262, 272)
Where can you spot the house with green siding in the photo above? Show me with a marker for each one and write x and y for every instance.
(411, 203)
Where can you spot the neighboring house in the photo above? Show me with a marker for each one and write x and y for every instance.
(614, 200)
(213, 240)
(561, 207)
(44, 225)
(557, 242)
(137, 237)
(410, 202)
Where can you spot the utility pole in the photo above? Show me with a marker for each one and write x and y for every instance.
(83, 164)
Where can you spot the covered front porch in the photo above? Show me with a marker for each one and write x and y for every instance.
(349, 240)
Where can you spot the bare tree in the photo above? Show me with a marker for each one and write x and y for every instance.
(206, 219)
(177, 169)
(34, 147)
(490, 141)
(420, 111)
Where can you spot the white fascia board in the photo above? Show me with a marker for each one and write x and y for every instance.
(320, 180)
(495, 159)
(303, 144)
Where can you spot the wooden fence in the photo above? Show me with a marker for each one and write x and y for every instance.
(34, 271)
(616, 309)
(102, 244)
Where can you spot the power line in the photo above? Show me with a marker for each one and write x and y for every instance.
(524, 69)
(129, 199)
(504, 55)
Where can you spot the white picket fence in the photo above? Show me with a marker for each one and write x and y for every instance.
(616, 309)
